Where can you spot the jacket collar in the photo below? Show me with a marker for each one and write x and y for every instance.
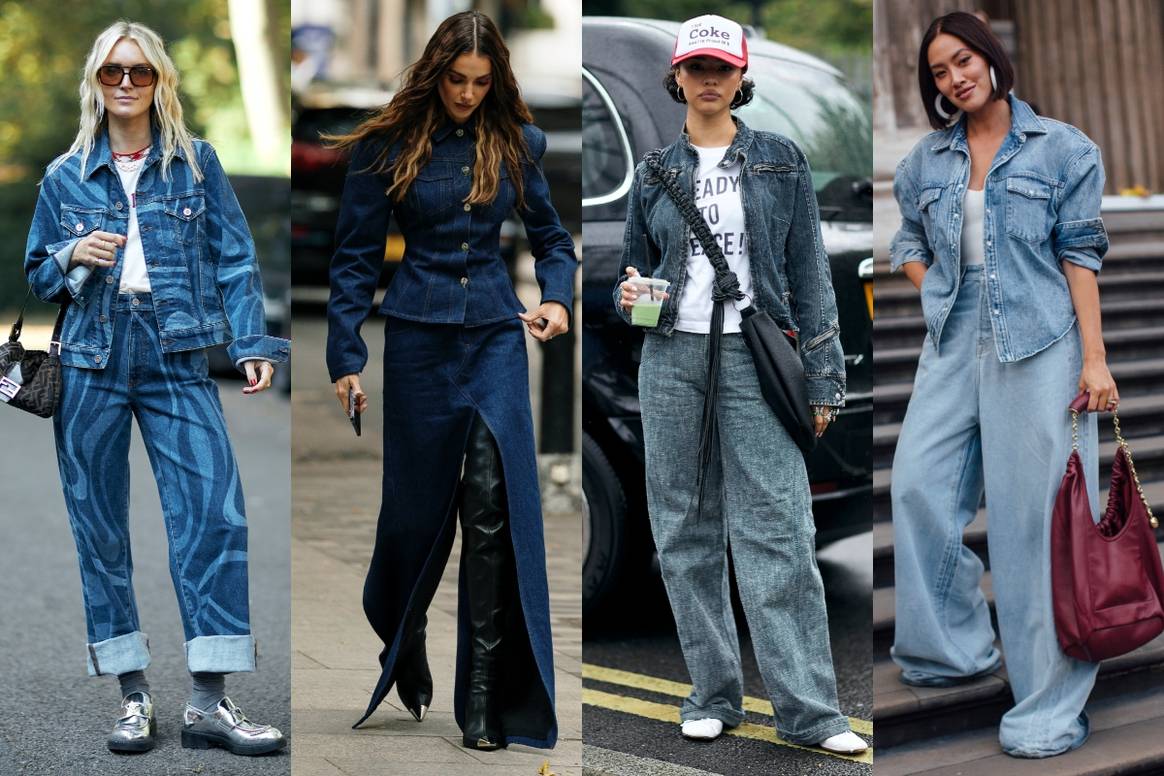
(1023, 121)
(102, 154)
(737, 150)
(447, 128)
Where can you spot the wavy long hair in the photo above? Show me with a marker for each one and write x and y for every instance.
(165, 112)
(416, 111)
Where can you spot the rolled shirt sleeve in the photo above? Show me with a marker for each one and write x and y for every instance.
(910, 242)
(1079, 236)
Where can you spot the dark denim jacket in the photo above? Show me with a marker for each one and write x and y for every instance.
(200, 258)
(790, 269)
(452, 271)
(1043, 194)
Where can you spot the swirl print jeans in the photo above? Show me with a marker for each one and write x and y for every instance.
(180, 417)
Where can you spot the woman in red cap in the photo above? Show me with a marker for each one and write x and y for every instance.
(721, 469)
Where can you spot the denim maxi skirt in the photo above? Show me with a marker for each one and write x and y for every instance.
(437, 379)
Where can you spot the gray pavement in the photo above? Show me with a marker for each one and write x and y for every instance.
(334, 668)
(54, 718)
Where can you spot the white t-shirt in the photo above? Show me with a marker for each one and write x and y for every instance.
(133, 266)
(973, 228)
(717, 194)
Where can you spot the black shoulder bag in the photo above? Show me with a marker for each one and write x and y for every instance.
(774, 353)
(39, 386)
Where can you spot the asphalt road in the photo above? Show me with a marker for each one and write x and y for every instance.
(53, 717)
(640, 639)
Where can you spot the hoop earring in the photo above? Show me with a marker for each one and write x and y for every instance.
(951, 119)
(993, 80)
(681, 96)
(739, 98)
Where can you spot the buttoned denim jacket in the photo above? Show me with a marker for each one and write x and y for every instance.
(791, 279)
(452, 271)
(200, 257)
(1042, 207)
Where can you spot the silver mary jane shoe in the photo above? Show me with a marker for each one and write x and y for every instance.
(135, 730)
(227, 727)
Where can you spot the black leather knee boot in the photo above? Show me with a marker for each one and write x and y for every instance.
(487, 552)
(413, 678)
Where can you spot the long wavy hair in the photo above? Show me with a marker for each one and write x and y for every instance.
(416, 111)
(165, 112)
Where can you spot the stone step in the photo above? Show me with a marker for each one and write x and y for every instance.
(899, 364)
(1148, 454)
(1133, 378)
(1124, 739)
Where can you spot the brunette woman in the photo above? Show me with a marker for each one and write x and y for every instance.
(757, 189)
(451, 156)
(138, 232)
(1001, 232)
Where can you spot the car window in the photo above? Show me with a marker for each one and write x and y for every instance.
(822, 116)
(607, 166)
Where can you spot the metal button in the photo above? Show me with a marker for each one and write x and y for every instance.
(187, 211)
(464, 246)
(996, 311)
(80, 225)
(118, 206)
(465, 170)
(460, 133)
(102, 318)
(97, 359)
(464, 281)
(988, 243)
(135, 301)
(108, 280)
(993, 276)
(468, 207)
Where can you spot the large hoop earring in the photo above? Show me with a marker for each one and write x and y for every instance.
(951, 119)
(738, 99)
(681, 96)
(993, 80)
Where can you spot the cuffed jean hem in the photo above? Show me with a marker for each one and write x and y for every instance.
(729, 717)
(221, 654)
(1036, 753)
(817, 734)
(119, 655)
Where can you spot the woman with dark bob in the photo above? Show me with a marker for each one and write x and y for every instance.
(450, 157)
(1001, 232)
(756, 192)
(138, 234)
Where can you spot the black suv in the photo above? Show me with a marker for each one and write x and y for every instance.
(626, 112)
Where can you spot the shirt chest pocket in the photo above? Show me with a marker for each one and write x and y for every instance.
(1028, 209)
(928, 207)
(184, 219)
(432, 191)
(774, 187)
(77, 221)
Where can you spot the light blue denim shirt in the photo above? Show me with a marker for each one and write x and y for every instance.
(791, 279)
(200, 257)
(1042, 206)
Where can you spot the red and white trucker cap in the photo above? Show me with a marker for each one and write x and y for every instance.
(711, 36)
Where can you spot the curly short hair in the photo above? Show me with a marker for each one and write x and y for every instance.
(742, 98)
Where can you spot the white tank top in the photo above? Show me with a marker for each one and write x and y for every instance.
(973, 228)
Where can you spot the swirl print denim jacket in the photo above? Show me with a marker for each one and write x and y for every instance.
(790, 269)
(200, 257)
(1042, 207)
(452, 271)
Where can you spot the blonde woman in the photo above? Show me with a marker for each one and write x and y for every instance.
(138, 232)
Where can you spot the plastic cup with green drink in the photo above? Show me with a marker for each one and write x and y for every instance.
(651, 293)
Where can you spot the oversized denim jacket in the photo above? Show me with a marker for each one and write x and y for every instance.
(200, 257)
(1042, 205)
(791, 279)
(452, 270)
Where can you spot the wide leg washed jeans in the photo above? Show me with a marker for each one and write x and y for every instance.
(973, 423)
(180, 417)
(759, 504)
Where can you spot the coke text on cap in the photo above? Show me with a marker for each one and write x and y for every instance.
(711, 36)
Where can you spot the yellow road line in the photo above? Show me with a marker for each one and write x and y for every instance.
(664, 713)
(680, 690)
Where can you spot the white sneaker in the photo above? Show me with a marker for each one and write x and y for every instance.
(844, 743)
(702, 729)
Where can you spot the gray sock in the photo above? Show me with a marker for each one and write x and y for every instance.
(207, 689)
(133, 681)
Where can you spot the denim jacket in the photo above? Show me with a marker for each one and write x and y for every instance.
(1042, 203)
(791, 279)
(200, 258)
(452, 271)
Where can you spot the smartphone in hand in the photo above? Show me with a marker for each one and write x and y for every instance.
(353, 414)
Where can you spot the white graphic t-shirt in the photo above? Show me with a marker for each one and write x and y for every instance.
(717, 195)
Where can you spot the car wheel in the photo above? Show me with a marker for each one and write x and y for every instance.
(603, 525)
